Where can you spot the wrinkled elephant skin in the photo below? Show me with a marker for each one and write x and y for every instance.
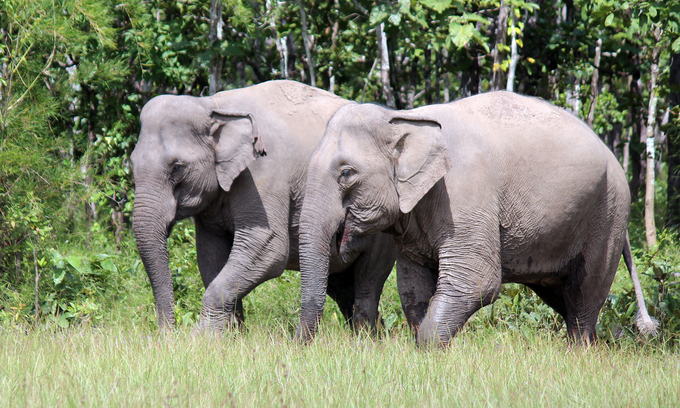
(237, 163)
(490, 189)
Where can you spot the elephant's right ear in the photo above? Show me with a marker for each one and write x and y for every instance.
(237, 142)
(422, 158)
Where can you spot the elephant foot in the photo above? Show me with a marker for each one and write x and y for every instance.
(218, 322)
(445, 317)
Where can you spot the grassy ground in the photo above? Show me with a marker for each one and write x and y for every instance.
(263, 367)
(115, 362)
(96, 345)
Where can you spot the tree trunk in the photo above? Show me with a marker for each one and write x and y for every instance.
(626, 152)
(650, 226)
(469, 79)
(385, 66)
(413, 84)
(498, 54)
(37, 284)
(614, 139)
(574, 98)
(447, 79)
(514, 58)
(215, 36)
(594, 84)
(673, 144)
(90, 99)
(331, 74)
(427, 73)
(305, 39)
(277, 40)
(636, 133)
(284, 61)
(437, 76)
(394, 75)
(291, 52)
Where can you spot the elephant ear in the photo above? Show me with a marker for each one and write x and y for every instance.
(237, 143)
(422, 158)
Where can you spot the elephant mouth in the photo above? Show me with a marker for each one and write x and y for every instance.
(342, 235)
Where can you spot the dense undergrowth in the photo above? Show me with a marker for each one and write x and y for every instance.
(74, 270)
(92, 281)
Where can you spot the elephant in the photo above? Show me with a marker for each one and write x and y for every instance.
(237, 163)
(490, 189)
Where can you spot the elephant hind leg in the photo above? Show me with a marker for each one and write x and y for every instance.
(580, 297)
(552, 296)
(341, 290)
(580, 323)
(416, 284)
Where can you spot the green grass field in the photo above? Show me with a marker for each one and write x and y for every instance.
(117, 362)
(263, 367)
(96, 344)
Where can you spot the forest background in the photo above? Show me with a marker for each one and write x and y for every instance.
(76, 73)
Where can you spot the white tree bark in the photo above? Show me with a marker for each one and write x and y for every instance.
(280, 45)
(514, 58)
(284, 51)
(215, 35)
(574, 98)
(498, 55)
(650, 225)
(305, 39)
(594, 83)
(385, 66)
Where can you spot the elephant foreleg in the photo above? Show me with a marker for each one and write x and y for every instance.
(212, 252)
(416, 284)
(467, 282)
(257, 255)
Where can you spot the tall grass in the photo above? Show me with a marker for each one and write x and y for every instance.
(96, 345)
(263, 367)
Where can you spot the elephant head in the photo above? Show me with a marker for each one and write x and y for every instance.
(188, 149)
(372, 165)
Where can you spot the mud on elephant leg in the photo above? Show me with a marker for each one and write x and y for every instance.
(416, 284)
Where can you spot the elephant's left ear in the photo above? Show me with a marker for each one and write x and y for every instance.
(237, 143)
(421, 155)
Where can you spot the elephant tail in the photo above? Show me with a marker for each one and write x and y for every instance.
(645, 324)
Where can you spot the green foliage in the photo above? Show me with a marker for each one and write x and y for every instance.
(75, 75)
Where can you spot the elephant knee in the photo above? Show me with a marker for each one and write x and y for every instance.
(446, 315)
(219, 300)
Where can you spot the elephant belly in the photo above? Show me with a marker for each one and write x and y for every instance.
(540, 255)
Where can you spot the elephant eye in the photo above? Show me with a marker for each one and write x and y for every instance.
(346, 176)
(176, 168)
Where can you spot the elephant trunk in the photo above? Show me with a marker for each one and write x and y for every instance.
(319, 221)
(153, 217)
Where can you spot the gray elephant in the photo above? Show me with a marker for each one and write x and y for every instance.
(490, 189)
(237, 163)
